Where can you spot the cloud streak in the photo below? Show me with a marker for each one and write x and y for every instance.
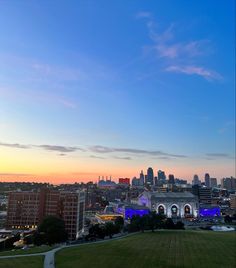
(15, 145)
(56, 148)
(195, 70)
(104, 150)
(123, 157)
(220, 155)
(15, 174)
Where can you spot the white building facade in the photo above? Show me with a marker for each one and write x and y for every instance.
(171, 204)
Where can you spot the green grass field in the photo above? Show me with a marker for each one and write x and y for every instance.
(26, 251)
(22, 262)
(160, 249)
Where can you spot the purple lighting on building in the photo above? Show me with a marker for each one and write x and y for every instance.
(130, 212)
(209, 212)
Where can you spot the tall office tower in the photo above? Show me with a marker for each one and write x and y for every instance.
(150, 176)
(141, 178)
(207, 180)
(196, 180)
(171, 179)
(161, 175)
(27, 209)
(213, 182)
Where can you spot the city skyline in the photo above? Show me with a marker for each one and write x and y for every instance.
(115, 87)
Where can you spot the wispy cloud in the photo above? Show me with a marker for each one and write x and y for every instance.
(56, 148)
(15, 145)
(15, 174)
(180, 56)
(143, 14)
(104, 149)
(195, 70)
(180, 50)
(219, 155)
(97, 157)
(123, 157)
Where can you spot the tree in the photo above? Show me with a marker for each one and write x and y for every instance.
(143, 222)
(179, 225)
(135, 223)
(119, 222)
(228, 219)
(160, 221)
(111, 229)
(152, 220)
(39, 238)
(169, 224)
(97, 231)
(53, 229)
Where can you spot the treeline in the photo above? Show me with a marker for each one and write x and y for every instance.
(100, 231)
(151, 222)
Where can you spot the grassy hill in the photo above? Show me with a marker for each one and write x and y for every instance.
(22, 262)
(160, 249)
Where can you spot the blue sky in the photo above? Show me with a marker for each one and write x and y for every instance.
(126, 84)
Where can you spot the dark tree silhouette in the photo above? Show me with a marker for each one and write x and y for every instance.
(53, 230)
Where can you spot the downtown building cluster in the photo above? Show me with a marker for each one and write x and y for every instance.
(175, 198)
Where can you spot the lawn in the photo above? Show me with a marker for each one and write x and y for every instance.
(22, 262)
(26, 251)
(152, 250)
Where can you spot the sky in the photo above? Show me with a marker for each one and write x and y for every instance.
(109, 88)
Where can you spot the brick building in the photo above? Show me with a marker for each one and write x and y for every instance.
(27, 209)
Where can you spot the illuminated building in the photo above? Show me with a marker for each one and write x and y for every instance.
(130, 210)
(171, 204)
(209, 212)
(27, 209)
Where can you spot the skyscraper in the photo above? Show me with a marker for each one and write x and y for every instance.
(171, 179)
(213, 182)
(141, 178)
(196, 180)
(161, 175)
(150, 176)
(207, 180)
